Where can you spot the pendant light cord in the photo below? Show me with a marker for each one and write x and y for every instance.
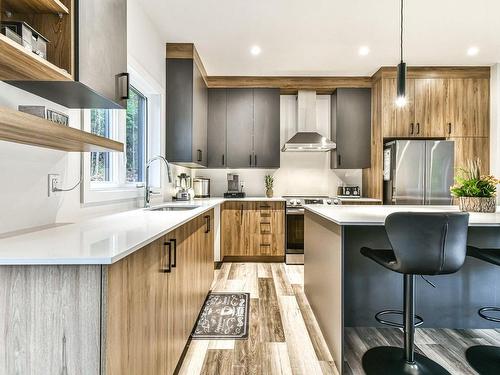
(401, 29)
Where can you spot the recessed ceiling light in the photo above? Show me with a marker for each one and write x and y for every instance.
(363, 50)
(255, 50)
(472, 51)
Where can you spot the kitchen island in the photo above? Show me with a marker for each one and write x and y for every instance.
(346, 289)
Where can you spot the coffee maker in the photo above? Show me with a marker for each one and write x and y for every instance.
(234, 186)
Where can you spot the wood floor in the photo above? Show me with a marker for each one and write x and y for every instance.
(284, 337)
(445, 346)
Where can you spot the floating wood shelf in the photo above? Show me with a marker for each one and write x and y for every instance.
(17, 63)
(36, 6)
(24, 128)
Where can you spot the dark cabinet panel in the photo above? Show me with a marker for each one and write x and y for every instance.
(217, 112)
(240, 128)
(179, 109)
(266, 137)
(186, 118)
(351, 128)
(200, 116)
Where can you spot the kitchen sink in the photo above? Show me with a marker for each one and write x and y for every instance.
(174, 208)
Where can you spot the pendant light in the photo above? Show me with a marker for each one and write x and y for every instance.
(401, 75)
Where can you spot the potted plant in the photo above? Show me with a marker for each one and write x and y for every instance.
(269, 181)
(475, 193)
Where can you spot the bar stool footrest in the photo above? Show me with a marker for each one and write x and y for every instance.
(378, 316)
(482, 314)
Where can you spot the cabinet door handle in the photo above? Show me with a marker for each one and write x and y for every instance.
(418, 128)
(449, 128)
(168, 268)
(250, 159)
(173, 241)
(200, 155)
(207, 223)
(223, 161)
(411, 128)
(241, 214)
(127, 77)
(339, 159)
(255, 159)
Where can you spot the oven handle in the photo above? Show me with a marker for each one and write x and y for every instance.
(295, 211)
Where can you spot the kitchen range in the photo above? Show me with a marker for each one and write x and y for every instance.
(294, 250)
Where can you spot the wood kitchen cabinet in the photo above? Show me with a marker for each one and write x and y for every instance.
(443, 103)
(154, 297)
(467, 107)
(80, 32)
(253, 230)
(469, 148)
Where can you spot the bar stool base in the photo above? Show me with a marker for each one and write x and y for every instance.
(384, 360)
(484, 359)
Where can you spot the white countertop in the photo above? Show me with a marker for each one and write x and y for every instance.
(102, 240)
(375, 215)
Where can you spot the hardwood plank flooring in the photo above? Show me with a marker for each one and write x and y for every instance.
(284, 337)
(445, 346)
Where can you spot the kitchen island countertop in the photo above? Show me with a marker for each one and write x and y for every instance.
(375, 215)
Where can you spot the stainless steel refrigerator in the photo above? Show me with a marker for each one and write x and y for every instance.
(418, 172)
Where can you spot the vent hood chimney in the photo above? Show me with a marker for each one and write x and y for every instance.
(307, 139)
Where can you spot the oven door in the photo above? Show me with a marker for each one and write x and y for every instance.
(294, 236)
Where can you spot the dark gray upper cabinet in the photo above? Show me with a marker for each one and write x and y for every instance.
(240, 128)
(351, 128)
(101, 79)
(266, 138)
(187, 101)
(244, 128)
(217, 127)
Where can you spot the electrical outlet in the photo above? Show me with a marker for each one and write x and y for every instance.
(53, 183)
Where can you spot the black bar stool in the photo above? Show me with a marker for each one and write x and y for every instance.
(422, 244)
(485, 359)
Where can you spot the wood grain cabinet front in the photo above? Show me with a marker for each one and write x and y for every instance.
(253, 230)
(153, 298)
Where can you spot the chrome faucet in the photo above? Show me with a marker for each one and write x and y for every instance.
(148, 192)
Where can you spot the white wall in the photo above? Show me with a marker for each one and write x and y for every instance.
(299, 173)
(23, 169)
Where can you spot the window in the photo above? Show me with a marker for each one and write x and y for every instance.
(114, 176)
(136, 136)
(107, 168)
(100, 161)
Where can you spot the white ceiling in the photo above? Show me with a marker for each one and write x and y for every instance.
(322, 37)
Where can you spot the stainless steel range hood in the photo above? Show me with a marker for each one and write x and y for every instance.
(307, 138)
(308, 142)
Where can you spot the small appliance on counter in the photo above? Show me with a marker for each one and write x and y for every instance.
(183, 183)
(201, 187)
(348, 192)
(234, 187)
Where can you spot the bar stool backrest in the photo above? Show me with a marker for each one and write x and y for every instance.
(428, 243)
